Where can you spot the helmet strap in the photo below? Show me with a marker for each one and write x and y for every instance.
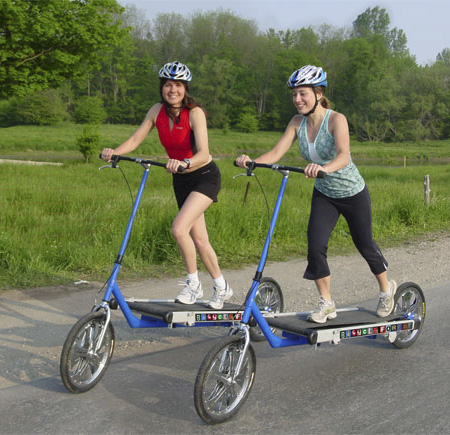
(171, 112)
(315, 105)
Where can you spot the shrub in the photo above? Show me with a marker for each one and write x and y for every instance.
(89, 110)
(247, 123)
(88, 141)
(6, 113)
(40, 108)
(411, 130)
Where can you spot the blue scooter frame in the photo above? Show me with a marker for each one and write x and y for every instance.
(112, 287)
(89, 346)
(226, 375)
(251, 309)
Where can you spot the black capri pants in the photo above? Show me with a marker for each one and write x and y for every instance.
(206, 180)
(325, 212)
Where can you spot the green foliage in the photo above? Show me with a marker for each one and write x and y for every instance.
(410, 130)
(89, 110)
(62, 223)
(6, 114)
(239, 72)
(248, 123)
(214, 92)
(89, 141)
(44, 42)
(59, 143)
(40, 108)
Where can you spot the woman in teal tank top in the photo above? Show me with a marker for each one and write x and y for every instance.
(324, 142)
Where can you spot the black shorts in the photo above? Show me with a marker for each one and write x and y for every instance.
(206, 180)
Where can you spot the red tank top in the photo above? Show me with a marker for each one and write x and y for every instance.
(178, 141)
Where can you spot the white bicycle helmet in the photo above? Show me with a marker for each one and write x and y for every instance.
(175, 71)
(308, 75)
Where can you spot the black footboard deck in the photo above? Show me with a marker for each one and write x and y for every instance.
(165, 310)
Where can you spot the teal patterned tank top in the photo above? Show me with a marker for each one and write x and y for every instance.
(340, 184)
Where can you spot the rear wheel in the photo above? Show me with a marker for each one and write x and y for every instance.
(84, 359)
(410, 302)
(268, 298)
(220, 390)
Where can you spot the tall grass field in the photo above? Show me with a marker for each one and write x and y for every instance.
(63, 223)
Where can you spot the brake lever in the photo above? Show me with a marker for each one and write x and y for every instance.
(107, 167)
(249, 172)
(113, 165)
(243, 175)
(250, 167)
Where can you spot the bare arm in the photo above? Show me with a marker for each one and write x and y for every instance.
(197, 119)
(137, 137)
(280, 149)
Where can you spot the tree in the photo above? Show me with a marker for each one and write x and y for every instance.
(374, 23)
(444, 57)
(364, 62)
(169, 31)
(42, 43)
(213, 87)
(371, 22)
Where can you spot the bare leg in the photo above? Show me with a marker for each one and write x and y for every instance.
(323, 286)
(189, 230)
(383, 282)
(199, 234)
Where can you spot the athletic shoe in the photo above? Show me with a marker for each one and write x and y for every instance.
(386, 300)
(190, 293)
(325, 310)
(220, 295)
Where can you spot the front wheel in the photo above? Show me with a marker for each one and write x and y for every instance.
(84, 359)
(219, 389)
(268, 298)
(409, 302)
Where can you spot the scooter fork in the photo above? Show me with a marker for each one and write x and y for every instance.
(99, 307)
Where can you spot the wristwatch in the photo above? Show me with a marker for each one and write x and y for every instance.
(188, 163)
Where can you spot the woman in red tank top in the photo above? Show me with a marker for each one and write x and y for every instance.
(181, 126)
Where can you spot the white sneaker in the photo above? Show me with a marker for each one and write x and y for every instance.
(220, 295)
(324, 311)
(190, 293)
(386, 300)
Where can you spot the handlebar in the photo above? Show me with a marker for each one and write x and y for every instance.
(116, 159)
(252, 165)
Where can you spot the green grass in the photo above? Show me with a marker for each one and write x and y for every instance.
(59, 143)
(64, 223)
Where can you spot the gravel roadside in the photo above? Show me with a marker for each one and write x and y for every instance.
(424, 261)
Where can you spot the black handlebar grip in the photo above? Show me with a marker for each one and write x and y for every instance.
(321, 174)
(246, 163)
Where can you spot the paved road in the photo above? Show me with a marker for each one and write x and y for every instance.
(366, 386)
